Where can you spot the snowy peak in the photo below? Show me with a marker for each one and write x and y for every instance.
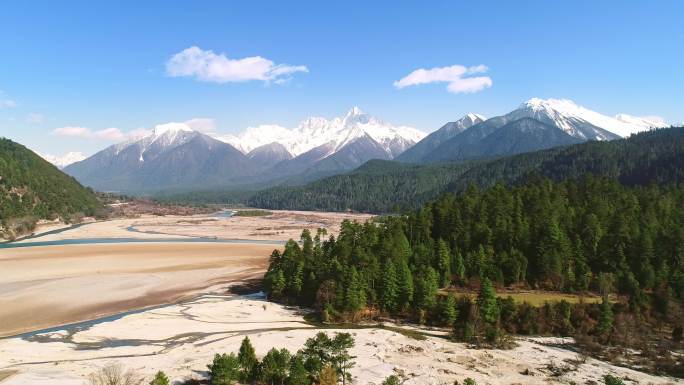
(644, 122)
(576, 120)
(64, 160)
(335, 133)
(470, 119)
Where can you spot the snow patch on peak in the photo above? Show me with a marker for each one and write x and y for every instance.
(474, 117)
(171, 128)
(578, 121)
(63, 160)
(647, 122)
(355, 111)
(337, 132)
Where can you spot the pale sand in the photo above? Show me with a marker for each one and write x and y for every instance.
(182, 339)
(280, 226)
(53, 285)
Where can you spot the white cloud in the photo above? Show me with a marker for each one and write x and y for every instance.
(35, 118)
(7, 103)
(113, 134)
(211, 67)
(110, 134)
(453, 75)
(206, 125)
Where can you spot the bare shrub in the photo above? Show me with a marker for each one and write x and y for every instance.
(115, 374)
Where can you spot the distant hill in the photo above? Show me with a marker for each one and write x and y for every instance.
(382, 186)
(31, 188)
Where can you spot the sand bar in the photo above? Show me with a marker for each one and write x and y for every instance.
(42, 287)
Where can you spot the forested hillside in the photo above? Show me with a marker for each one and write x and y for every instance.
(577, 236)
(655, 156)
(32, 189)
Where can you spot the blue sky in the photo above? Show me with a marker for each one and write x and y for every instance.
(97, 66)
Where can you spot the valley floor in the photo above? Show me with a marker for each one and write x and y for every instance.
(181, 339)
(45, 286)
(279, 226)
(176, 270)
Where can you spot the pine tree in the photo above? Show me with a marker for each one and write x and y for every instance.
(355, 297)
(340, 357)
(449, 311)
(488, 308)
(392, 380)
(405, 284)
(248, 361)
(224, 370)
(605, 321)
(389, 297)
(160, 379)
(298, 374)
(444, 263)
(457, 266)
(275, 366)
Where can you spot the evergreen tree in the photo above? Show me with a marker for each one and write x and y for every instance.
(224, 370)
(298, 374)
(389, 298)
(340, 357)
(405, 285)
(160, 379)
(458, 267)
(248, 361)
(444, 263)
(449, 312)
(275, 366)
(392, 380)
(488, 308)
(605, 322)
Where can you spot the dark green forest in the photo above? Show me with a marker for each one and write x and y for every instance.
(386, 186)
(591, 234)
(31, 188)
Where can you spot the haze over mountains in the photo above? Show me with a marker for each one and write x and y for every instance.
(177, 157)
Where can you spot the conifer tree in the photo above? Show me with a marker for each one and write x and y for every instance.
(389, 298)
(605, 322)
(488, 309)
(248, 361)
(405, 284)
(160, 379)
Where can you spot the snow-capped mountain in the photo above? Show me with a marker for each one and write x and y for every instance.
(536, 124)
(581, 122)
(642, 123)
(435, 139)
(64, 160)
(172, 156)
(337, 132)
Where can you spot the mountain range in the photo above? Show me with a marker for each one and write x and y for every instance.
(647, 158)
(175, 157)
(535, 125)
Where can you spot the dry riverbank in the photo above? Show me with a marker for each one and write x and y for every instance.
(53, 285)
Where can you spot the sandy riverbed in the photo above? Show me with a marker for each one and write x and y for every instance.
(53, 285)
(181, 340)
(280, 226)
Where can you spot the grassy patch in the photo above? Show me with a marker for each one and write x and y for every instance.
(252, 213)
(535, 298)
